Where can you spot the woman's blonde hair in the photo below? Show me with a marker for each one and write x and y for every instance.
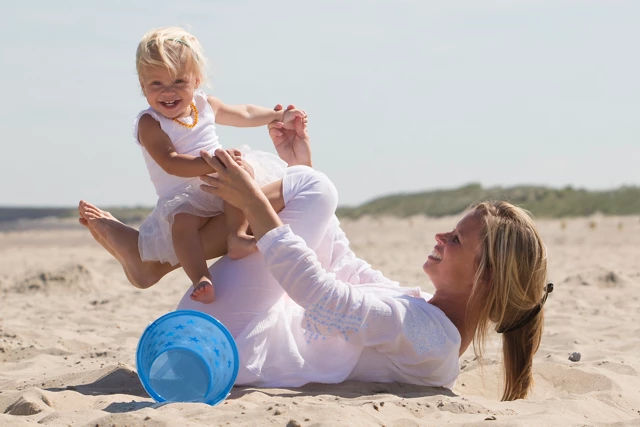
(513, 270)
(173, 49)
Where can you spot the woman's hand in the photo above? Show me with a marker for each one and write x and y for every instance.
(293, 145)
(230, 181)
(234, 185)
(236, 155)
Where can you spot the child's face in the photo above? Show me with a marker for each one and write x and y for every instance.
(169, 96)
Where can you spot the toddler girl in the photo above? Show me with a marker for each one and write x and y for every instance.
(179, 123)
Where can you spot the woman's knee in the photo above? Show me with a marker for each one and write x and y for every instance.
(310, 203)
(310, 187)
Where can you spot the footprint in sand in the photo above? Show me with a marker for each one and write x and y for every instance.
(69, 277)
(574, 380)
(29, 403)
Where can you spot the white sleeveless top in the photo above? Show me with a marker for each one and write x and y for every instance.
(186, 141)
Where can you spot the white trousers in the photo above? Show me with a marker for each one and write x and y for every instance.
(245, 289)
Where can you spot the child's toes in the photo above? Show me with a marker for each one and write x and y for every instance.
(203, 293)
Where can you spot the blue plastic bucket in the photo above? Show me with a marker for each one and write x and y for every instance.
(187, 356)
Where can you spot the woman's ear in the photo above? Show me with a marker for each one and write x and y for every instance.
(483, 264)
(484, 280)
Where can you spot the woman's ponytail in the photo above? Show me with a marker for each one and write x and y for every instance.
(509, 289)
(518, 348)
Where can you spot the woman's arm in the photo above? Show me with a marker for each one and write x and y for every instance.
(234, 185)
(247, 115)
(161, 149)
(416, 336)
(332, 307)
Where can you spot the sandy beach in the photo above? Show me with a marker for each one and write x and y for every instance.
(70, 322)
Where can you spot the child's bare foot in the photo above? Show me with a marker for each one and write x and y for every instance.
(240, 245)
(90, 216)
(120, 240)
(203, 292)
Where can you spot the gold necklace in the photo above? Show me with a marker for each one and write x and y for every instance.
(194, 110)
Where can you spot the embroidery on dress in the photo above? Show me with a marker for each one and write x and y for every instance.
(320, 321)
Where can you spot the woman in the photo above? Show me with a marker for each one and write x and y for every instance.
(307, 309)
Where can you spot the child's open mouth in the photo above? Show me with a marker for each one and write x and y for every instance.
(170, 104)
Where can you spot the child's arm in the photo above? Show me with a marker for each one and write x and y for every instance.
(246, 115)
(161, 149)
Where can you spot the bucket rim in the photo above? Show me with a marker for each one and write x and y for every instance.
(234, 348)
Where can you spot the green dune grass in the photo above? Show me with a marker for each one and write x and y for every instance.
(540, 201)
(125, 214)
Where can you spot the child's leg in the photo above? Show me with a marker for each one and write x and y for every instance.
(188, 247)
(245, 290)
(121, 240)
(239, 243)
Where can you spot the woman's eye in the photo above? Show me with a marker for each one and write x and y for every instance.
(455, 239)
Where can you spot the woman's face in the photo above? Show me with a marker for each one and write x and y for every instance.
(453, 262)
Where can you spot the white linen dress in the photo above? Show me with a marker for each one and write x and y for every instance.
(183, 195)
(306, 309)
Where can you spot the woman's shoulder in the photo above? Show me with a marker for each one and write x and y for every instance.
(429, 328)
(428, 344)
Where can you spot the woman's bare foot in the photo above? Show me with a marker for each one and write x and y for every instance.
(203, 292)
(240, 245)
(121, 241)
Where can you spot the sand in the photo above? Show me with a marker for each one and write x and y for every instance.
(70, 322)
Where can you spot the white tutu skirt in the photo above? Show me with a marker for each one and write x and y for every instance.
(155, 242)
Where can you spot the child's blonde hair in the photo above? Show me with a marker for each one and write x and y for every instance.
(173, 49)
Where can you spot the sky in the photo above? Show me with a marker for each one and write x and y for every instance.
(402, 95)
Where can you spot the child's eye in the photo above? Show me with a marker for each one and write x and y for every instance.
(455, 239)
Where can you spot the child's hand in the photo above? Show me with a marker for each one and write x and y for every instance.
(236, 155)
(292, 145)
(290, 116)
(230, 182)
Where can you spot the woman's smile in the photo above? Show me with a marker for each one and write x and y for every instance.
(435, 255)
